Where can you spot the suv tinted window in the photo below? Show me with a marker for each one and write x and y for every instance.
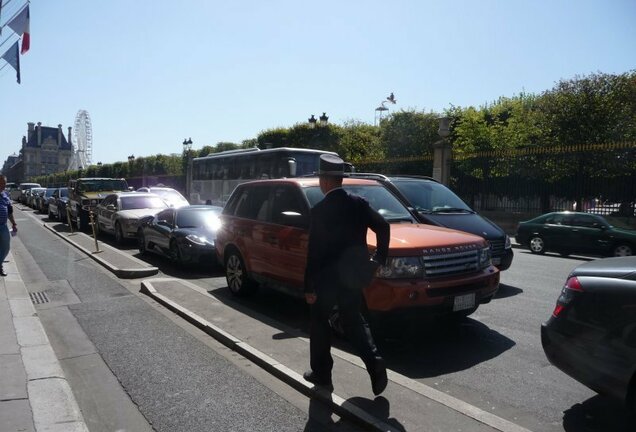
(287, 202)
(253, 203)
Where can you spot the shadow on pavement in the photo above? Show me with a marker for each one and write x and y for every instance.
(506, 291)
(321, 416)
(599, 414)
(443, 347)
(428, 348)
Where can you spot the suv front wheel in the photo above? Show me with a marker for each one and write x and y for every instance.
(236, 275)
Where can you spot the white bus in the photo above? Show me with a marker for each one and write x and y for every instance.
(215, 176)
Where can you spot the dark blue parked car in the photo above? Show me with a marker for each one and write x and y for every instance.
(433, 203)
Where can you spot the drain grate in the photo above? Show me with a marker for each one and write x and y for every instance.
(39, 297)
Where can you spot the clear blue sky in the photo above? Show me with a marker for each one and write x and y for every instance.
(152, 73)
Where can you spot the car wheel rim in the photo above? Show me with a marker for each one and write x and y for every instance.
(536, 244)
(234, 273)
(623, 251)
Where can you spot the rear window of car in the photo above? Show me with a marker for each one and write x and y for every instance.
(141, 202)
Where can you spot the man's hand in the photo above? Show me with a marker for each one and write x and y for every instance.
(311, 298)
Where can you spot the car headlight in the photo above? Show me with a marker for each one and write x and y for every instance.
(507, 244)
(484, 257)
(401, 267)
(196, 239)
(130, 224)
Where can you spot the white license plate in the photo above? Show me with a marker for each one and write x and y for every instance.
(496, 261)
(462, 302)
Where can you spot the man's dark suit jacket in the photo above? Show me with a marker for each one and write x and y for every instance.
(338, 256)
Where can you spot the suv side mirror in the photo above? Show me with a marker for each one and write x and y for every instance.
(294, 219)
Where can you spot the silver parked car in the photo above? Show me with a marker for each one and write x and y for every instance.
(119, 213)
(171, 196)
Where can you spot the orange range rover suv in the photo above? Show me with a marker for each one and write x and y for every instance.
(430, 270)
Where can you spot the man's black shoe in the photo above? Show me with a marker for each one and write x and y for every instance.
(2, 272)
(318, 380)
(379, 379)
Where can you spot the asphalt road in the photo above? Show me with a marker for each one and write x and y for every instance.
(493, 359)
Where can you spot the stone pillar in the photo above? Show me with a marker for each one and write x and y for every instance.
(68, 138)
(31, 128)
(59, 136)
(442, 153)
(39, 129)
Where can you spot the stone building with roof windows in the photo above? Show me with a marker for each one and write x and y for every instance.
(45, 150)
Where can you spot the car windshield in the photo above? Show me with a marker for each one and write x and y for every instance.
(428, 196)
(64, 192)
(171, 196)
(102, 185)
(142, 202)
(198, 218)
(379, 198)
(49, 192)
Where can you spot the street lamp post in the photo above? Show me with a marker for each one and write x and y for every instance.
(442, 155)
(324, 120)
(187, 149)
(379, 111)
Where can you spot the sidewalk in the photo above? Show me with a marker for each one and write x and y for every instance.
(34, 393)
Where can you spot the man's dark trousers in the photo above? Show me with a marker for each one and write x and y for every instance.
(354, 325)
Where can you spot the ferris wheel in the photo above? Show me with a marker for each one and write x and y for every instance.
(83, 141)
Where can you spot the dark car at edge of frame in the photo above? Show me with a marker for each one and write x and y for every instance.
(591, 335)
(574, 232)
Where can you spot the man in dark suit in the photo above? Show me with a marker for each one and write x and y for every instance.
(338, 268)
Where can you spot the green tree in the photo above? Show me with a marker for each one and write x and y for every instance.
(360, 141)
(409, 133)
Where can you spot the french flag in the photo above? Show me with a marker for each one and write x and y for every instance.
(20, 25)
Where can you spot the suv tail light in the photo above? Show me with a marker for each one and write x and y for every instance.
(568, 292)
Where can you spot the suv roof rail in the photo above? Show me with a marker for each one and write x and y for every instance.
(368, 175)
(388, 176)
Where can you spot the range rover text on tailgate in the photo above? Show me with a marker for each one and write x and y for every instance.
(434, 270)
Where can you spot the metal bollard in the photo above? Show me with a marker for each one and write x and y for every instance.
(90, 215)
(68, 219)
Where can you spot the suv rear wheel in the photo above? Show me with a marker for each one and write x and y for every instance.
(236, 275)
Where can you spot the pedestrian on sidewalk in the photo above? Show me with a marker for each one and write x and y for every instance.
(6, 213)
(338, 269)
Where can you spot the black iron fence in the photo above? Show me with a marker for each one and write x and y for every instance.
(597, 178)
